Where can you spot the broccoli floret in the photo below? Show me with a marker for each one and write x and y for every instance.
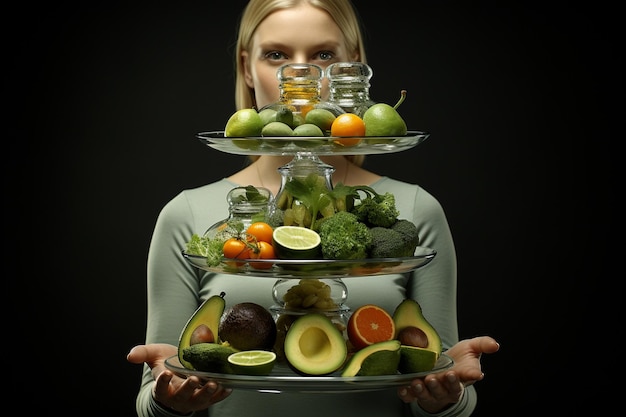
(276, 218)
(377, 209)
(397, 241)
(409, 233)
(344, 237)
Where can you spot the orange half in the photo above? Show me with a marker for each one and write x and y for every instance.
(370, 324)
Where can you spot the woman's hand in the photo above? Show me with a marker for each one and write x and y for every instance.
(171, 391)
(437, 391)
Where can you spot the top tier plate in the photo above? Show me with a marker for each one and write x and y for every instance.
(327, 145)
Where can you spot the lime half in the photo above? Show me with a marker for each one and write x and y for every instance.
(252, 362)
(296, 242)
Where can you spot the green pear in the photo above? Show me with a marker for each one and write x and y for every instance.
(381, 119)
(244, 122)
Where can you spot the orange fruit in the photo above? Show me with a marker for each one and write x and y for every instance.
(370, 324)
(349, 127)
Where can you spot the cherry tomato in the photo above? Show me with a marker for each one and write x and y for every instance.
(261, 231)
(266, 251)
(237, 249)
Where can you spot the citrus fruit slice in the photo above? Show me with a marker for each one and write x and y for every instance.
(252, 362)
(370, 324)
(296, 242)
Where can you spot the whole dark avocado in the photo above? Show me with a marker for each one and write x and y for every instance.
(248, 326)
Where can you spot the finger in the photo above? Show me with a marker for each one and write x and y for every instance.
(453, 386)
(418, 391)
(137, 354)
(405, 394)
(436, 389)
(192, 383)
(161, 385)
(486, 344)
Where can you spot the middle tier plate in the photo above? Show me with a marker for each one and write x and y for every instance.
(318, 268)
(326, 145)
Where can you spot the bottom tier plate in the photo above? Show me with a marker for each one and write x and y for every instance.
(283, 379)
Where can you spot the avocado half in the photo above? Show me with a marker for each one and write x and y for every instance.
(208, 315)
(416, 359)
(409, 313)
(314, 345)
(381, 358)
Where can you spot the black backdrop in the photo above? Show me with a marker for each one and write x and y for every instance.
(522, 104)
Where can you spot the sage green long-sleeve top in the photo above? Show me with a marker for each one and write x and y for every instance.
(176, 289)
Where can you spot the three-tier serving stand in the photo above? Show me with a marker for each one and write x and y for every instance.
(306, 152)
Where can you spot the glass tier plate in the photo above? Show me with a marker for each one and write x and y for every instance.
(283, 379)
(291, 145)
(317, 268)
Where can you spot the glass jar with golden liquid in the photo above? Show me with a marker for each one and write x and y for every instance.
(300, 87)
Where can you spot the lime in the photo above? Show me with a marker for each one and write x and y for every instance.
(276, 129)
(296, 242)
(309, 129)
(285, 115)
(298, 119)
(323, 118)
(252, 362)
(267, 115)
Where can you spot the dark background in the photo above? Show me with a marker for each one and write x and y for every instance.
(522, 103)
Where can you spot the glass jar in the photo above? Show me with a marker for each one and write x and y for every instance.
(246, 205)
(296, 298)
(349, 84)
(302, 198)
(300, 87)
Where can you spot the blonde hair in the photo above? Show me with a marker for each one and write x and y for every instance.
(341, 11)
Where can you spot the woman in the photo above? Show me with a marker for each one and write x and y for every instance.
(272, 33)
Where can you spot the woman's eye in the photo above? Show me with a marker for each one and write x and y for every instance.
(325, 56)
(274, 55)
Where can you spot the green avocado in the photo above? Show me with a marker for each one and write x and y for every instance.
(209, 357)
(415, 359)
(202, 326)
(412, 328)
(381, 358)
(314, 345)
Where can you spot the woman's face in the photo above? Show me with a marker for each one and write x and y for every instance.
(302, 34)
